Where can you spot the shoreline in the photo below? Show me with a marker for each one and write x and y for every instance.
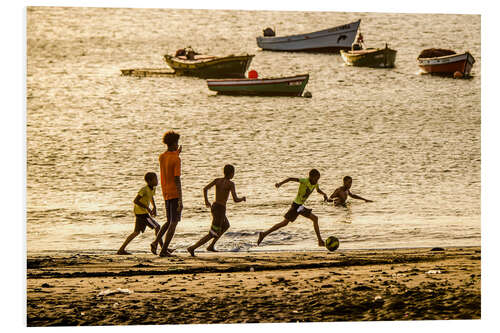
(348, 285)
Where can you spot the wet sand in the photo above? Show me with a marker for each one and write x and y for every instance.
(402, 284)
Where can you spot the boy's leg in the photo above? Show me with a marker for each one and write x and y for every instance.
(170, 234)
(158, 239)
(157, 231)
(275, 227)
(130, 237)
(202, 241)
(314, 218)
(225, 226)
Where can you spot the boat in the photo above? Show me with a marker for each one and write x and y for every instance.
(282, 86)
(370, 57)
(328, 40)
(207, 66)
(445, 62)
(147, 72)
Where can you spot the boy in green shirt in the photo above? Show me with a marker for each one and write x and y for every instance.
(142, 211)
(307, 185)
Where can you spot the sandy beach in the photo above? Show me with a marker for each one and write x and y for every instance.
(254, 287)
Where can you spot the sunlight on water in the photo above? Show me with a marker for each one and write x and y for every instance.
(411, 142)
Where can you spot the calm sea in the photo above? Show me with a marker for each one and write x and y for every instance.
(411, 142)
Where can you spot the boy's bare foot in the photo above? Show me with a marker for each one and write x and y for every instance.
(261, 237)
(321, 243)
(191, 251)
(211, 249)
(168, 254)
(123, 252)
(153, 248)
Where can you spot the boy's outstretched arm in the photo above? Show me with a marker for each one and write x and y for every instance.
(325, 197)
(205, 192)
(291, 179)
(352, 195)
(235, 197)
(335, 193)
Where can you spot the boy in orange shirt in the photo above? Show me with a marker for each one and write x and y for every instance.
(170, 172)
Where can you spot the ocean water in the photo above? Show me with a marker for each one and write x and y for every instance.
(411, 142)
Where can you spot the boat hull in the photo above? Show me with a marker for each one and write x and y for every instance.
(448, 65)
(376, 58)
(328, 40)
(285, 86)
(211, 67)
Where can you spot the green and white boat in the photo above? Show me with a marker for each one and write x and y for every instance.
(283, 86)
(370, 57)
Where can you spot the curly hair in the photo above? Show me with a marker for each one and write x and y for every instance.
(170, 138)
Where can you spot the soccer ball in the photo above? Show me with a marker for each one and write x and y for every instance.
(332, 243)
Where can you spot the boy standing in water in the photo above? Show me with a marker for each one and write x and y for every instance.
(220, 222)
(142, 211)
(170, 172)
(340, 195)
(306, 186)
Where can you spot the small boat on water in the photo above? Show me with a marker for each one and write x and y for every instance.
(328, 40)
(445, 62)
(283, 86)
(207, 66)
(370, 57)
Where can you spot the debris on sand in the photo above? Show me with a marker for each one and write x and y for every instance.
(108, 292)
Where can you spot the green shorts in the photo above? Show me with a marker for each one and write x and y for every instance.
(220, 222)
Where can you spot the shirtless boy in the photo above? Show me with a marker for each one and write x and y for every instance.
(220, 223)
(340, 195)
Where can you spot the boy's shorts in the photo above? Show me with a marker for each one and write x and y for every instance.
(220, 222)
(143, 220)
(292, 213)
(171, 209)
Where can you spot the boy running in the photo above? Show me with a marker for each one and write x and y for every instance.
(142, 211)
(170, 172)
(340, 195)
(306, 186)
(220, 222)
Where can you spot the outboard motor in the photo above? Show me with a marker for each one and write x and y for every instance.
(268, 32)
(180, 52)
(356, 47)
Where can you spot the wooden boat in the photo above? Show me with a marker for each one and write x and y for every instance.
(328, 40)
(370, 57)
(206, 66)
(447, 65)
(283, 86)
